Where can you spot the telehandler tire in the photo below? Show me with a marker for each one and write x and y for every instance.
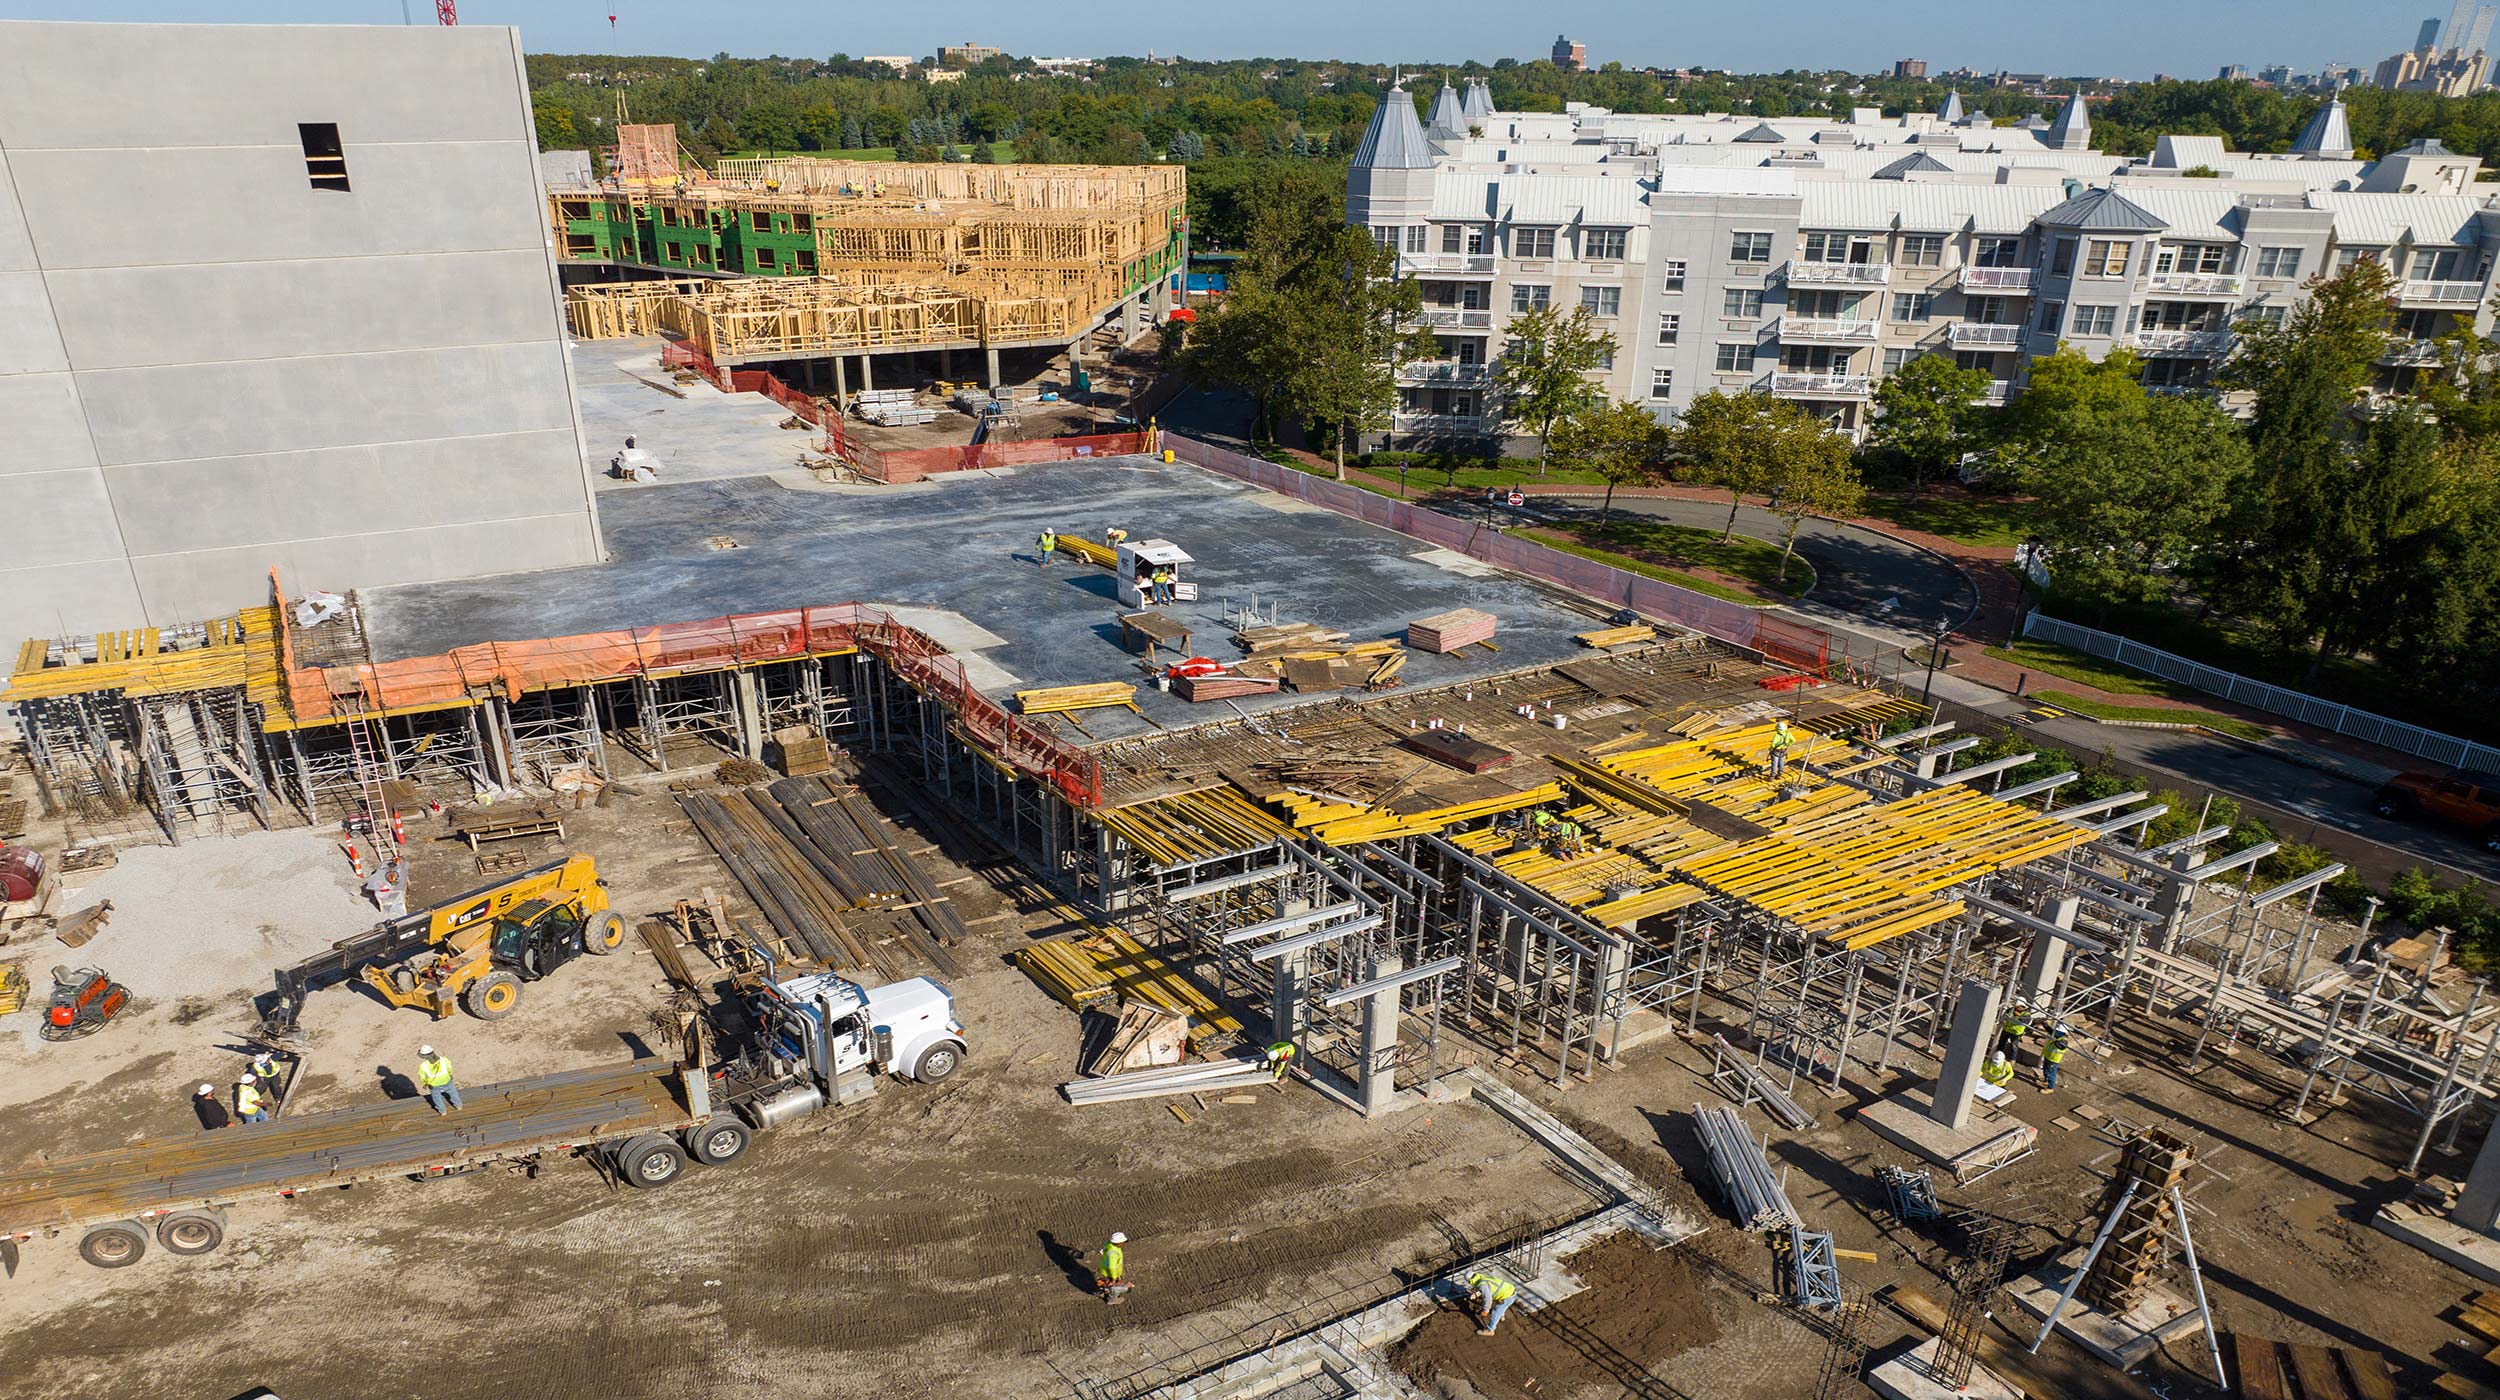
(493, 996)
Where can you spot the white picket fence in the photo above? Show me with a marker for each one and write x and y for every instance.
(2443, 750)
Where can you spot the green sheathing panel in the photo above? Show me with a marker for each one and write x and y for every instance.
(744, 247)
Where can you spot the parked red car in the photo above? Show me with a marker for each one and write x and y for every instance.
(2470, 802)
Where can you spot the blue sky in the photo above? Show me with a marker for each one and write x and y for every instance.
(2124, 38)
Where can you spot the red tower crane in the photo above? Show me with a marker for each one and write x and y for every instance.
(446, 11)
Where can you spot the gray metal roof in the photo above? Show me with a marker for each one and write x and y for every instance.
(1763, 131)
(2104, 211)
(1920, 162)
(1477, 101)
(2328, 135)
(2073, 128)
(1952, 109)
(1395, 139)
(1447, 118)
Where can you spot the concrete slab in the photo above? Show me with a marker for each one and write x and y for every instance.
(2121, 1340)
(1455, 562)
(1990, 1139)
(2441, 1238)
(1907, 1377)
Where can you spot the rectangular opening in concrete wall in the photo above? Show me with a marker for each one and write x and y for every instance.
(325, 160)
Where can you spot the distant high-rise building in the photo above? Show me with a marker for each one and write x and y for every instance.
(2430, 34)
(2480, 33)
(1909, 68)
(2279, 74)
(2460, 19)
(1570, 57)
(2233, 73)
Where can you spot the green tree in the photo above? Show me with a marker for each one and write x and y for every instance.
(1542, 377)
(554, 120)
(1926, 415)
(2129, 485)
(1814, 471)
(1258, 336)
(1622, 442)
(1733, 442)
(1360, 314)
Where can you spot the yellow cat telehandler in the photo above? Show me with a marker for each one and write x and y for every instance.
(472, 952)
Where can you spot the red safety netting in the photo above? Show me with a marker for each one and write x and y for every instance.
(509, 669)
(896, 468)
(677, 353)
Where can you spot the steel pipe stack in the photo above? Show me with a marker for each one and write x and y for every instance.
(1753, 1191)
(1206, 1076)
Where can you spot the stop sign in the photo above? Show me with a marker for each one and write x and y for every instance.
(1518, 498)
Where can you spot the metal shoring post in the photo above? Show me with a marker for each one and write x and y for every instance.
(1848, 1017)
(2196, 1278)
(2326, 1042)
(647, 698)
(303, 774)
(1571, 985)
(2213, 1013)
(1701, 976)
(2360, 1025)
(1467, 984)
(2438, 1096)
(2068, 1295)
(1518, 981)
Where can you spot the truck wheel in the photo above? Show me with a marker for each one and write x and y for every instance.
(939, 1061)
(2392, 806)
(493, 996)
(718, 1143)
(650, 1162)
(604, 934)
(191, 1232)
(116, 1245)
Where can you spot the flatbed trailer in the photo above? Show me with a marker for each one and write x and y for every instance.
(176, 1189)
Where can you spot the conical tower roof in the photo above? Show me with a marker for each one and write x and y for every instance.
(1449, 120)
(2328, 135)
(1951, 111)
(1395, 140)
(2072, 131)
(1477, 101)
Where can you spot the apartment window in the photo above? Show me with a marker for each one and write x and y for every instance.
(1736, 356)
(2264, 315)
(1671, 277)
(802, 223)
(1898, 356)
(2052, 316)
(1827, 247)
(2346, 257)
(1415, 238)
(2062, 261)
(2436, 265)
(1529, 296)
(1742, 303)
(1749, 248)
(1913, 306)
(1450, 236)
(1604, 244)
(2200, 258)
(1475, 240)
(1601, 301)
(1997, 252)
(325, 160)
(1922, 249)
(763, 221)
(1661, 382)
(1532, 243)
(1386, 238)
(1981, 360)
(1669, 327)
(2278, 262)
(806, 259)
(2096, 320)
(763, 257)
(2419, 325)
(1606, 358)
(2106, 257)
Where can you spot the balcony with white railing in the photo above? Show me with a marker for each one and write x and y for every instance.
(1975, 335)
(2194, 343)
(1463, 318)
(2226, 285)
(1443, 423)
(2412, 352)
(2425, 293)
(1807, 385)
(1995, 281)
(1443, 372)
(1798, 271)
(1446, 264)
(2000, 392)
(1824, 330)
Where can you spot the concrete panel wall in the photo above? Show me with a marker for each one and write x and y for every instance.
(213, 367)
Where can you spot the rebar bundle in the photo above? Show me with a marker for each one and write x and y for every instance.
(1847, 1352)
(1975, 1277)
(1736, 1158)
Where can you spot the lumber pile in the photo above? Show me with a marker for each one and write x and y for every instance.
(12, 987)
(1068, 699)
(804, 753)
(1443, 633)
(2272, 1370)
(1286, 637)
(1605, 637)
(1141, 1037)
(1100, 969)
(1223, 686)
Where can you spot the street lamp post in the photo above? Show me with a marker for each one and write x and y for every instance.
(1935, 655)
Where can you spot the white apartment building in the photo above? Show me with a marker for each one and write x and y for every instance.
(1809, 257)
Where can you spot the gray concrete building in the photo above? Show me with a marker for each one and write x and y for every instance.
(277, 296)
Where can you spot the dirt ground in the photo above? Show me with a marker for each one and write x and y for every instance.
(1639, 1306)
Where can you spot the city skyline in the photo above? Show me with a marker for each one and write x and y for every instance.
(1817, 35)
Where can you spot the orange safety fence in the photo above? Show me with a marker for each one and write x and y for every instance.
(466, 674)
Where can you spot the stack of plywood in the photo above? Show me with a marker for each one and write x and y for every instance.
(1447, 632)
(803, 751)
(1286, 638)
(1200, 689)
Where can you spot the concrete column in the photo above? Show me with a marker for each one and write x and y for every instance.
(750, 708)
(1927, 764)
(2478, 1204)
(993, 359)
(867, 377)
(946, 362)
(2176, 897)
(1380, 1041)
(1160, 299)
(1614, 968)
(1285, 1010)
(1974, 1030)
(841, 382)
(2047, 962)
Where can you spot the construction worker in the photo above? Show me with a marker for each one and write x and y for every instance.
(1114, 537)
(1780, 740)
(1998, 1071)
(213, 1114)
(1541, 822)
(1492, 1296)
(265, 1069)
(1049, 545)
(1279, 1059)
(2017, 1024)
(247, 1104)
(2051, 1058)
(434, 1077)
(1111, 1275)
(1165, 579)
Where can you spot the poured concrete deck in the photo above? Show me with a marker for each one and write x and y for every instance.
(964, 544)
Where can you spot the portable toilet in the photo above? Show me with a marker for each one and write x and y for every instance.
(1145, 556)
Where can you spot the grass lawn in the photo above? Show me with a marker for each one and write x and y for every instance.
(1422, 480)
(2148, 714)
(1958, 516)
(2074, 665)
(1739, 570)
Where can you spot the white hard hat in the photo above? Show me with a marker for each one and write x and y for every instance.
(208, 1088)
(425, 1050)
(1118, 1238)
(246, 1079)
